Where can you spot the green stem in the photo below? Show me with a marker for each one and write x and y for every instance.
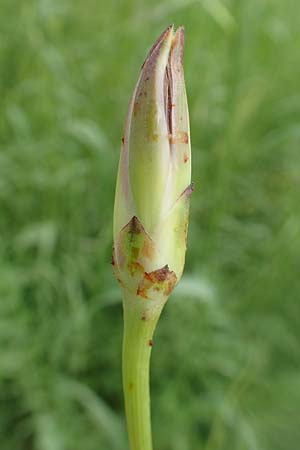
(137, 343)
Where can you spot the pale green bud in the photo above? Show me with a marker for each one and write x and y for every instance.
(154, 177)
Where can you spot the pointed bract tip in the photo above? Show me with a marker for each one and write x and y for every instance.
(178, 48)
(179, 36)
(188, 190)
(169, 31)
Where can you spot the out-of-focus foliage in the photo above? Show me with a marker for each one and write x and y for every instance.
(226, 359)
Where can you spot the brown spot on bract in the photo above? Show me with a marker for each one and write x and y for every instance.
(185, 158)
(130, 386)
(135, 267)
(136, 108)
(185, 137)
(150, 343)
(123, 139)
(180, 137)
(185, 227)
(120, 281)
(112, 260)
(161, 274)
(142, 292)
(161, 280)
(148, 249)
(169, 287)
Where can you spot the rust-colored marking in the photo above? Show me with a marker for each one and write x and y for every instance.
(120, 281)
(180, 137)
(135, 267)
(123, 140)
(185, 227)
(158, 275)
(135, 226)
(185, 158)
(169, 287)
(150, 343)
(142, 292)
(185, 137)
(160, 280)
(112, 260)
(136, 108)
(148, 249)
(144, 318)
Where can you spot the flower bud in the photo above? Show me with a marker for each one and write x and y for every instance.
(154, 176)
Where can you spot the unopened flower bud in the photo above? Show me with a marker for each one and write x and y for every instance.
(154, 176)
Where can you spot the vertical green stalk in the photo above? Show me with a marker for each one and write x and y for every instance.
(137, 343)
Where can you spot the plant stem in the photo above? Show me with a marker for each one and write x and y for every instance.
(137, 343)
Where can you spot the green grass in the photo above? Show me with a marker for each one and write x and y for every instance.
(226, 357)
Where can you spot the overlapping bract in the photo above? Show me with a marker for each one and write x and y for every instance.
(154, 176)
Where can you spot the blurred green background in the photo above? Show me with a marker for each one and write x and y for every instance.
(226, 359)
